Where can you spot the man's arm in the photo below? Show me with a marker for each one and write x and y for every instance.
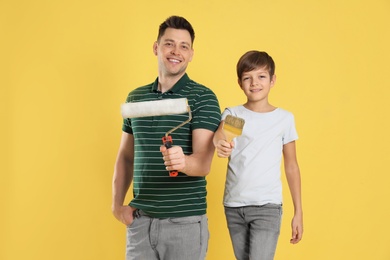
(123, 176)
(294, 182)
(196, 164)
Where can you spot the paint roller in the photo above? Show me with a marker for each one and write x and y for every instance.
(159, 108)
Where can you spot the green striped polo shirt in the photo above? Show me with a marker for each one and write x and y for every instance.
(154, 191)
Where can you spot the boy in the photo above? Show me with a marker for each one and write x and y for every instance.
(253, 189)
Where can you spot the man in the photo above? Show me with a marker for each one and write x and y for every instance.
(166, 219)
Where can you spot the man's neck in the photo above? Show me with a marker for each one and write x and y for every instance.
(165, 83)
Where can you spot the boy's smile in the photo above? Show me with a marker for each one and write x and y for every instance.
(255, 90)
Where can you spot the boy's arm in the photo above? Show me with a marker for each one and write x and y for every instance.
(294, 182)
(123, 176)
(224, 148)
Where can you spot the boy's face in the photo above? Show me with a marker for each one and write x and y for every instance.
(256, 84)
(174, 52)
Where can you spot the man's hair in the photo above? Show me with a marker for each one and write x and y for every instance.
(254, 60)
(176, 22)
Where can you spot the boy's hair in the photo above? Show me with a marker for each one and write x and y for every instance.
(176, 22)
(253, 60)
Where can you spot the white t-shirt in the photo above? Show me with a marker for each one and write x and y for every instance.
(254, 169)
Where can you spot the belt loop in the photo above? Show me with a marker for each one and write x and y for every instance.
(136, 213)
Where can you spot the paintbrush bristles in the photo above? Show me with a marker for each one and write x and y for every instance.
(234, 121)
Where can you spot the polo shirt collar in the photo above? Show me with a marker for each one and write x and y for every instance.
(178, 86)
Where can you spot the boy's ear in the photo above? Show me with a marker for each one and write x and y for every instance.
(239, 83)
(273, 80)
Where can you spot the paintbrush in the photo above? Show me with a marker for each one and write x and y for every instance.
(232, 127)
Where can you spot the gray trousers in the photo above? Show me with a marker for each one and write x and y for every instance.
(254, 230)
(167, 239)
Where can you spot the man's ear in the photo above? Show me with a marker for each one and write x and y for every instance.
(155, 45)
(192, 55)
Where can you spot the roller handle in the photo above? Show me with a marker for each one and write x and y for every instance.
(167, 141)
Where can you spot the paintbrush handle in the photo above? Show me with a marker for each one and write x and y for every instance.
(229, 136)
(167, 141)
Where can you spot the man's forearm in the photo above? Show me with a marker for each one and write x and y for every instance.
(121, 182)
(198, 165)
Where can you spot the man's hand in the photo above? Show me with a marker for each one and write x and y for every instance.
(174, 158)
(124, 214)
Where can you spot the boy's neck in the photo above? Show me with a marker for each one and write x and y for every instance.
(259, 107)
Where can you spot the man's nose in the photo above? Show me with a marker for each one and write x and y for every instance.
(175, 50)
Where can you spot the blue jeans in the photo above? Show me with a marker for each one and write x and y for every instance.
(167, 239)
(254, 230)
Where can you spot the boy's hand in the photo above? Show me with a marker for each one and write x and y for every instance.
(297, 229)
(224, 149)
(174, 158)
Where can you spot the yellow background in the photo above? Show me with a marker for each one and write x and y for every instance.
(66, 66)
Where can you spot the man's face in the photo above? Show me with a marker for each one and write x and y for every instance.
(174, 52)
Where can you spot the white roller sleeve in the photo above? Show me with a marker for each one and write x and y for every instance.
(154, 108)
